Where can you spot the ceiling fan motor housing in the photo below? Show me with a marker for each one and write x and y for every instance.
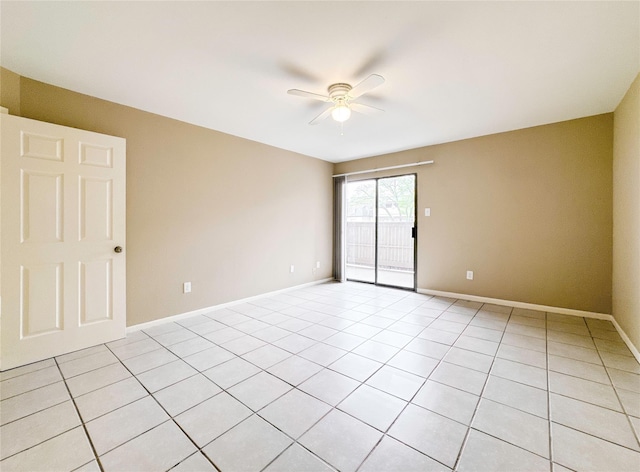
(339, 92)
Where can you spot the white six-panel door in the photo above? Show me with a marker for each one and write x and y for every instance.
(62, 203)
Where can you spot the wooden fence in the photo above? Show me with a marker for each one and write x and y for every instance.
(395, 244)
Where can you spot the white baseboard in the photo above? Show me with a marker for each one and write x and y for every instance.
(529, 306)
(626, 339)
(533, 306)
(200, 311)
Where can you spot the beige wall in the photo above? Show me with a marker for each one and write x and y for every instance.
(626, 213)
(227, 214)
(10, 91)
(528, 211)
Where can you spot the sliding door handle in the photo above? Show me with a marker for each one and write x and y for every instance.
(414, 232)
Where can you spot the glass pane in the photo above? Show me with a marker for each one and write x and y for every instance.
(361, 230)
(396, 215)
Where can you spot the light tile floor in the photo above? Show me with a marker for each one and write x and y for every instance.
(334, 377)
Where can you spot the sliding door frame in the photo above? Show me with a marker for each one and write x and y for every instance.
(414, 233)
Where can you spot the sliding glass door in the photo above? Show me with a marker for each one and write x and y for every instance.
(380, 231)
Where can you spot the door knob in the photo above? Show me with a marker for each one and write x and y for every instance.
(118, 249)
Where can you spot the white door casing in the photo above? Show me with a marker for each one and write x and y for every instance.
(62, 213)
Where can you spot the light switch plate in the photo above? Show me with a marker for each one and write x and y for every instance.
(427, 212)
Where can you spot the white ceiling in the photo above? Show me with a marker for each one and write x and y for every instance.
(453, 70)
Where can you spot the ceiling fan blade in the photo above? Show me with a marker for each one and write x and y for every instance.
(365, 109)
(368, 84)
(322, 116)
(315, 96)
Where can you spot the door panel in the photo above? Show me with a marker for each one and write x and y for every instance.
(41, 295)
(62, 214)
(96, 294)
(361, 231)
(41, 147)
(91, 155)
(96, 209)
(41, 206)
(395, 243)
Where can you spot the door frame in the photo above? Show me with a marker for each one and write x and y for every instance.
(415, 231)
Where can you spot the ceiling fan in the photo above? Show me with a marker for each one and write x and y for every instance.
(342, 97)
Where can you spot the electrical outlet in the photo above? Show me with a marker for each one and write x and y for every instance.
(186, 287)
(469, 275)
(318, 265)
(291, 269)
(427, 212)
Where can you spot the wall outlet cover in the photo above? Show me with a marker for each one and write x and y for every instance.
(469, 275)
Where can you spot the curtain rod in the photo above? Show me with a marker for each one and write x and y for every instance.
(384, 168)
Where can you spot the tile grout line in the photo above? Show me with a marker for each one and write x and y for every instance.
(225, 390)
(589, 403)
(26, 373)
(171, 418)
(566, 396)
(384, 433)
(37, 411)
(325, 367)
(549, 421)
(84, 427)
(615, 390)
(294, 440)
(335, 408)
(409, 402)
(480, 397)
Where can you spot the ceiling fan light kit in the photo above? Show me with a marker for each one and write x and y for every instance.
(343, 96)
(341, 112)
